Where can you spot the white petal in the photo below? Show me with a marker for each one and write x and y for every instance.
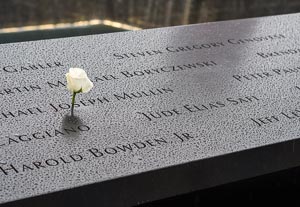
(77, 80)
(88, 85)
(69, 83)
(77, 73)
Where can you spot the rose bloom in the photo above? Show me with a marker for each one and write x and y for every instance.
(77, 81)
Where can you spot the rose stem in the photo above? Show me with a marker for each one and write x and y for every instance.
(73, 102)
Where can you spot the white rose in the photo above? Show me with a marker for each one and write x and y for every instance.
(77, 81)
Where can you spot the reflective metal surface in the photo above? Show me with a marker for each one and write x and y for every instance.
(173, 110)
